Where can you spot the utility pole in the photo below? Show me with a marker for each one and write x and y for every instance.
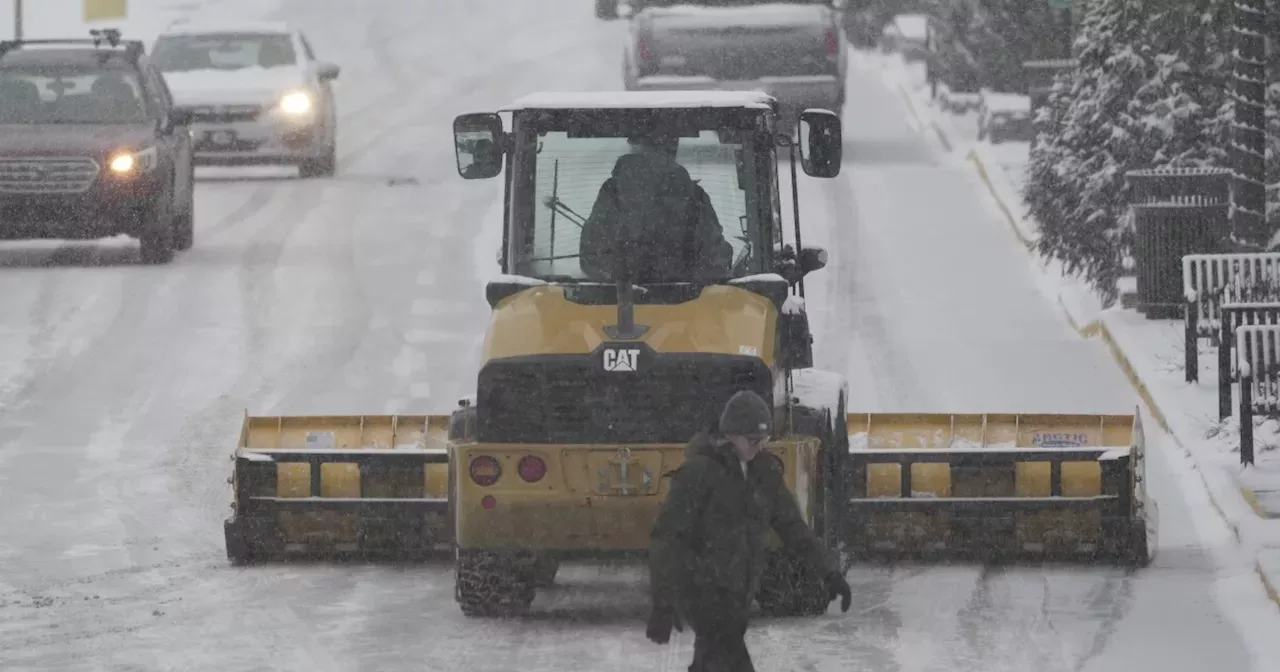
(17, 19)
(1248, 129)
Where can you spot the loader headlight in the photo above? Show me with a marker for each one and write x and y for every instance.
(296, 103)
(132, 163)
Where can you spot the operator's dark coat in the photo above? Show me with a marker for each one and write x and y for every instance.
(674, 232)
(708, 541)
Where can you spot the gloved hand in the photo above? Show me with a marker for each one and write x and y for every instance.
(837, 586)
(661, 620)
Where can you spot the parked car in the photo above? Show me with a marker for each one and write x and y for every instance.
(909, 35)
(1004, 116)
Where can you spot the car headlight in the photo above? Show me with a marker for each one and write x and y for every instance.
(132, 163)
(296, 103)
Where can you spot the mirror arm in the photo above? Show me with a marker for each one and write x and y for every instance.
(795, 208)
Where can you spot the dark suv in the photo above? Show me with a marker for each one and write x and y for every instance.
(91, 146)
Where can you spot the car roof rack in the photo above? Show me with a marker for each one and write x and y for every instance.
(133, 49)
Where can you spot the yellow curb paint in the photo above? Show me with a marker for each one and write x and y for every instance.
(911, 109)
(1273, 591)
(1252, 499)
(1008, 215)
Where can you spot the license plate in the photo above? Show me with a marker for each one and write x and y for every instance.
(221, 138)
(620, 472)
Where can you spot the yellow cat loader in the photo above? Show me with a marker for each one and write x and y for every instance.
(591, 383)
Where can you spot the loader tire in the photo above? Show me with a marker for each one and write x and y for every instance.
(543, 572)
(790, 588)
(492, 585)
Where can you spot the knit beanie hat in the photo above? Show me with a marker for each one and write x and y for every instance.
(746, 414)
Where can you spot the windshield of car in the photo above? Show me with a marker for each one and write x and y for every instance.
(70, 95)
(569, 169)
(223, 51)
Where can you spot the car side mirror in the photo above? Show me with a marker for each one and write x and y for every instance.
(812, 259)
(328, 72)
(478, 140)
(179, 117)
(821, 143)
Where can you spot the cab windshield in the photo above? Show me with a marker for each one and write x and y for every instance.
(562, 159)
(70, 95)
(223, 51)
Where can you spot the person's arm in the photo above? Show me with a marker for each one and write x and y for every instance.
(714, 250)
(596, 243)
(672, 543)
(795, 533)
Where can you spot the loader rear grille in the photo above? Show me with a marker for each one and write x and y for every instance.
(568, 400)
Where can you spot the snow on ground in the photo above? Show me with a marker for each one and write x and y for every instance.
(1154, 348)
(362, 293)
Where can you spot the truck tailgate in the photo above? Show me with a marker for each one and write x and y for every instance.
(741, 43)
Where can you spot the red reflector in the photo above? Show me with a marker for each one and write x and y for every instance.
(488, 502)
(833, 42)
(485, 470)
(532, 468)
(643, 51)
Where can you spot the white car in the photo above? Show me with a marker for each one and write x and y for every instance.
(256, 92)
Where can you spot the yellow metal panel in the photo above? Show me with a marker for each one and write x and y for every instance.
(99, 10)
(722, 320)
(895, 431)
(563, 510)
(899, 431)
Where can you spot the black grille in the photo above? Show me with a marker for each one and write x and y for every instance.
(571, 400)
(224, 114)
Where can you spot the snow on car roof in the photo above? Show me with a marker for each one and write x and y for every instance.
(762, 14)
(184, 27)
(622, 100)
(1006, 102)
(912, 26)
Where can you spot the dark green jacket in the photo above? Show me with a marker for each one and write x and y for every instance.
(712, 529)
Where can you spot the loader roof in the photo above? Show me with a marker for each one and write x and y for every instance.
(636, 100)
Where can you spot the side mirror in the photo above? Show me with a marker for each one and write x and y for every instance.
(179, 117)
(328, 72)
(821, 143)
(477, 142)
(812, 259)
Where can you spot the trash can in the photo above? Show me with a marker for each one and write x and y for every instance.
(1176, 211)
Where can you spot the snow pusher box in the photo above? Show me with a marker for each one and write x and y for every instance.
(373, 485)
(999, 486)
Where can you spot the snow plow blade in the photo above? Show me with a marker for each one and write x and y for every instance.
(994, 486)
(366, 486)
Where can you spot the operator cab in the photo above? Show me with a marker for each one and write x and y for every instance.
(563, 148)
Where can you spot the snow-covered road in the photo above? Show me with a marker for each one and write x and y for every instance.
(122, 387)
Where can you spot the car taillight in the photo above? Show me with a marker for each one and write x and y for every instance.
(833, 42)
(485, 470)
(644, 51)
(531, 468)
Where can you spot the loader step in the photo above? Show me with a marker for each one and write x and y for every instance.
(985, 505)
(400, 505)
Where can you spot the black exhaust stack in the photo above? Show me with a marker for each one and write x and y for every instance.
(626, 329)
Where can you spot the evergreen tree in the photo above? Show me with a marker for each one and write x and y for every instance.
(1148, 92)
(1273, 116)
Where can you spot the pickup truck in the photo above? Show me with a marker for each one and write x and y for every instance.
(797, 51)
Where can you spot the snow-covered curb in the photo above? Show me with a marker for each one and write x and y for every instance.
(1083, 312)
